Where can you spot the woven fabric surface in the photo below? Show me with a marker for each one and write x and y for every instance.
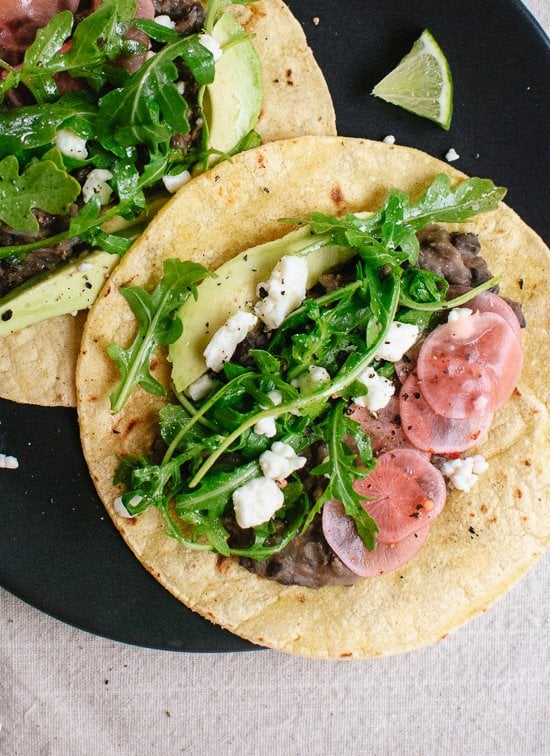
(482, 690)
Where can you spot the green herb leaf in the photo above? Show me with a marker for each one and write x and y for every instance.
(345, 441)
(157, 326)
(42, 185)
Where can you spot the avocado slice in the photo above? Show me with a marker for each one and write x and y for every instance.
(232, 103)
(234, 287)
(73, 286)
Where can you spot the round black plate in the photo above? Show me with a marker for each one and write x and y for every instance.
(58, 549)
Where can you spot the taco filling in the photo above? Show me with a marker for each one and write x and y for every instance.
(104, 108)
(321, 412)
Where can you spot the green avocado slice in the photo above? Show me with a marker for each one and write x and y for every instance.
(73, 286)
(232, 103)
(234, 287)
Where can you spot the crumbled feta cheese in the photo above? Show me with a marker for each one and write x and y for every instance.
(459, 313)
(280, 461)
(206, 40)
(275, 396)
(96, 184)
(284, 292)
(399, 339)
(8, 463)
(379, 390)
(451, 155)
(201, 387)
(121, 510)
(390, 139)
(266, 427)
(308, 382)
(165, 20)
(70, 144)
(173, 182)
(83, 267)
(463, 473)
(256, 502)
(226, 339)
(180, 86)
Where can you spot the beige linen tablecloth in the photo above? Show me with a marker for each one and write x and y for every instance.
(483, 690)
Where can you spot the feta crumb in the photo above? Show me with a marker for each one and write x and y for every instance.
(451, 155)
(459, 313)
(463, 473)
(275, 396)
(8, 463)
(121, 510)
(316, 20)
(266, 427)
(206, 40)
(284, 292)
(390, 139)
(201, 387)
(70, 144)
(399, 339)
(256, 502)
(83, 267)
(96, 184)
(165, 21)
(308, 382)
(280, 461)
(174, 181)
(226, 339)
(180, 86)
(379, 390)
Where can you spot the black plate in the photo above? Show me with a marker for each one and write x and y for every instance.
(58, 549)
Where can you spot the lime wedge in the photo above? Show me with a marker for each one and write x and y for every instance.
(421, 83)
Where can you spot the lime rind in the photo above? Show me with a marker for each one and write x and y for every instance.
(421, 83)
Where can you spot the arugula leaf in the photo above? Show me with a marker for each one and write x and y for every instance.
(149, 108)
(42, 185)
(346, 441)
(157, 327)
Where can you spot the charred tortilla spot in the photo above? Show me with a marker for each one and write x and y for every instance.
(223, 563)
(336, 194)
(518, 493)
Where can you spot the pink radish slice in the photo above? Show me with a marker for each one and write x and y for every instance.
(434, 433)
(383, 427)
(341, 535)
(402, 494)
(417, 464)
(488, 301)
(470, 367)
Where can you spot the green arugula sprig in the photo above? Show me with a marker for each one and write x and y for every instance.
(341, 331)
(157, 327)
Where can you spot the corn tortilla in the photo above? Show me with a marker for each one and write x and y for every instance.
(480, 545)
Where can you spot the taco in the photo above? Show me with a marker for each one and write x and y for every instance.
(482, 540)
(107, 109)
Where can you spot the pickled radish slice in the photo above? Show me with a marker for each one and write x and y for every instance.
(383, 427)
(341, 535)
(402, 494)
(470, 367)
(416, 464)
(434, 433)
(488, 301)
